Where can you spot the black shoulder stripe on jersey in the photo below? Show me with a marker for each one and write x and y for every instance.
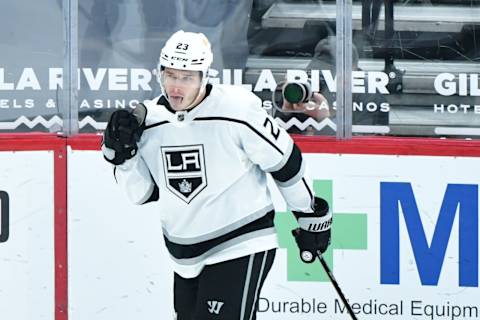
(185, 251)
(245, 124)
(155, 124)
(291, 167)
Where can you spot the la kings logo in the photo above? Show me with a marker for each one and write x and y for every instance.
(184, 168)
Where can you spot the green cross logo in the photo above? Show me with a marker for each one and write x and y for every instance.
(349, 231)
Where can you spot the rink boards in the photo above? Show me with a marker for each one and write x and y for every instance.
(404, 240)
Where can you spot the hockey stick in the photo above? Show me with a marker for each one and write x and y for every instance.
(335, 284)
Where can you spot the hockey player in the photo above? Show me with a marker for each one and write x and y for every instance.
(203, 152)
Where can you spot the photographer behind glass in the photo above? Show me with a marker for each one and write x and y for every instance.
(299, 101)
(298, 97)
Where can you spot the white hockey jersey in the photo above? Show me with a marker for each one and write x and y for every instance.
(208, 167)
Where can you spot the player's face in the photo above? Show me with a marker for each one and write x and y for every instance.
(182, 87)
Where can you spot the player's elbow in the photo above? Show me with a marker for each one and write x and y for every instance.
(140, 194)
(297, 197)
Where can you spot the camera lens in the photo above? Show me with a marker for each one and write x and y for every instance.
(296, 92)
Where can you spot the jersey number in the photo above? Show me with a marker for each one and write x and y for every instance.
(275, 131)
(4, 216)
(182, 46)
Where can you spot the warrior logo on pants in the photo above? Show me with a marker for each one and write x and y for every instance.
(214, 306)
(184, 168)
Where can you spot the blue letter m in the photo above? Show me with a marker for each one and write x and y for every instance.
(429, 258)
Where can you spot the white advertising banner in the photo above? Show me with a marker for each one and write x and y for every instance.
(404, 244)
(27, 235)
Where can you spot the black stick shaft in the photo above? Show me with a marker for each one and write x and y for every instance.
(337, 287)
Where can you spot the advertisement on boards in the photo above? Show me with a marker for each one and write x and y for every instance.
(27, 235)
(404, 243)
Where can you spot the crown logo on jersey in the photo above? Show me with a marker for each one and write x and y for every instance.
(185, 186)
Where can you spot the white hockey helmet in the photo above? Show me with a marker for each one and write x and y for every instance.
(186, 51)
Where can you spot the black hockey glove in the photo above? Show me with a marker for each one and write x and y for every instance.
(313, 236)
(123, 131)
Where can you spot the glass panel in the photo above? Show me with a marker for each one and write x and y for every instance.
(422, 58)
(118, 47)
(256, 43)
(415, 62)
(295, 41)
(32, 55)
(120, 42)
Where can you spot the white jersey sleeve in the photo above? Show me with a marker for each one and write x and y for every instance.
(271, 147)
(134, 177)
